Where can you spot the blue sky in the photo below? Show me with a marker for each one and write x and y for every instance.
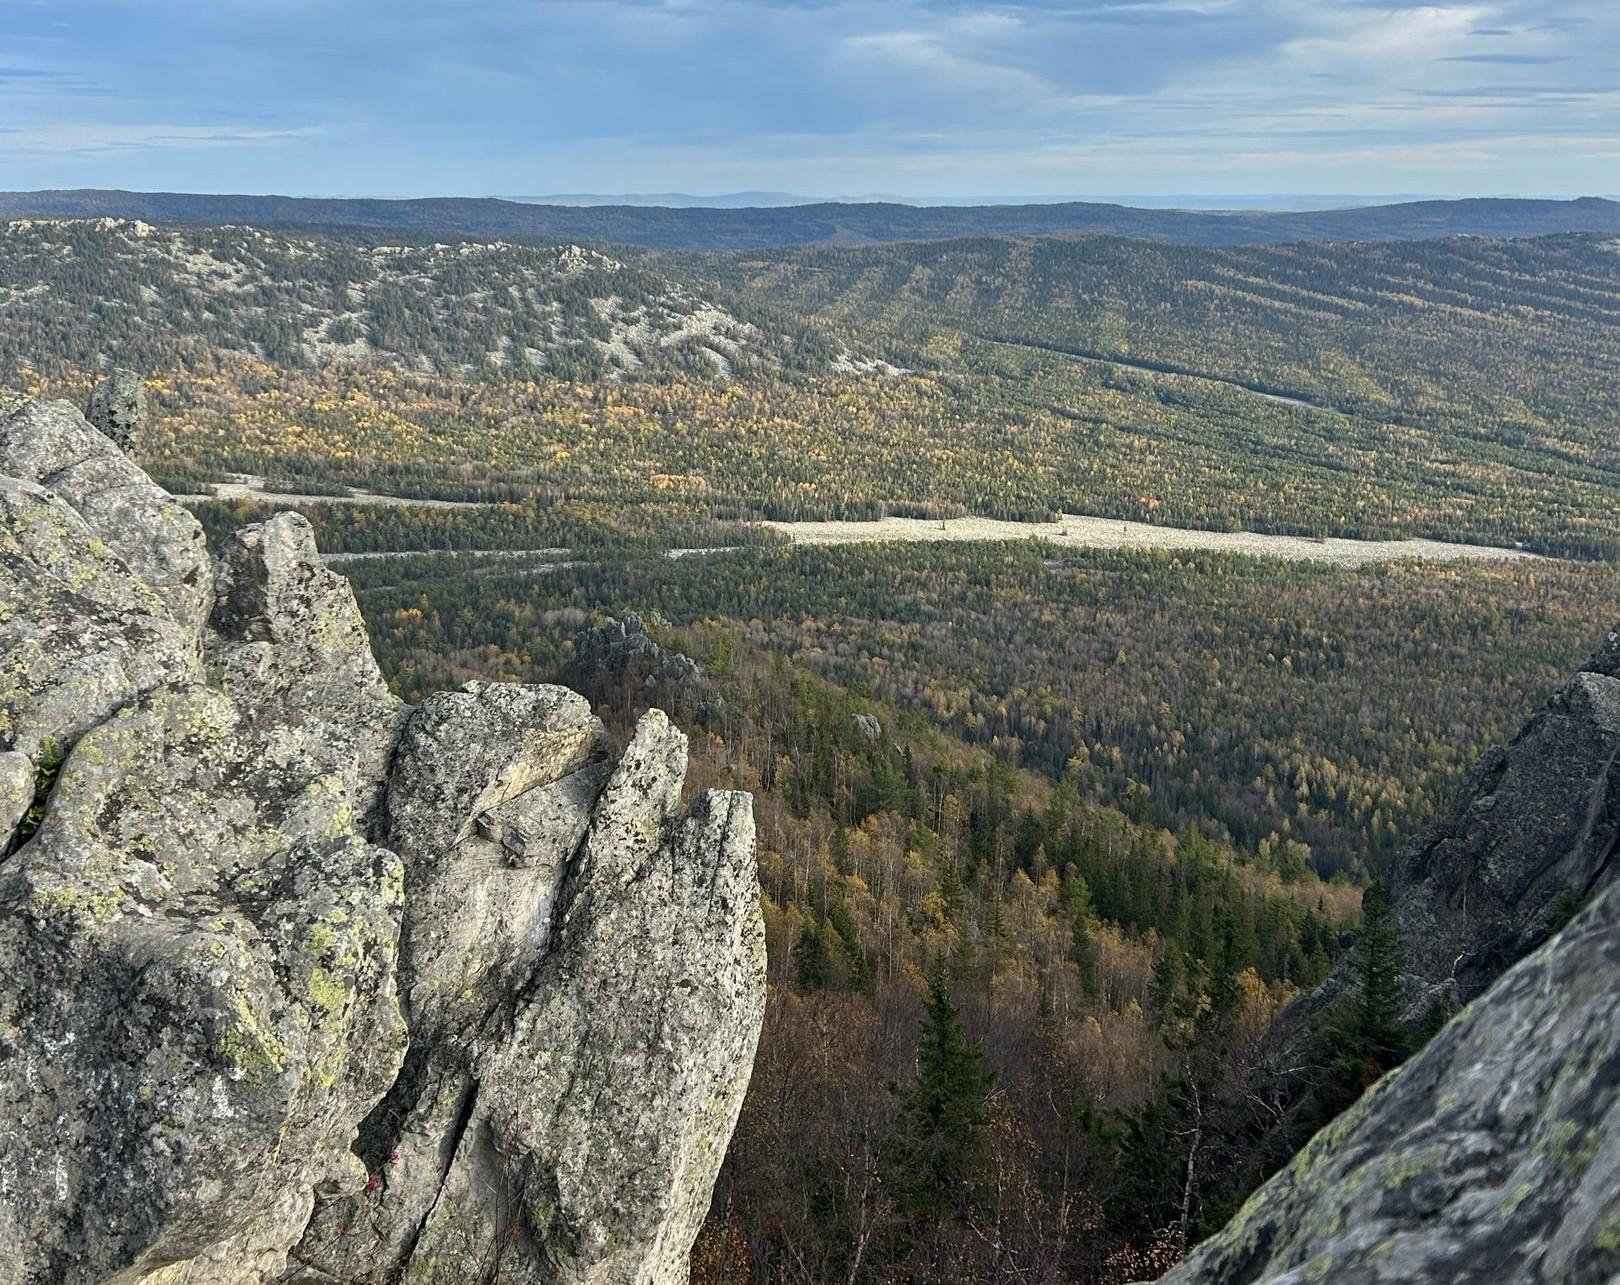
(915, 97)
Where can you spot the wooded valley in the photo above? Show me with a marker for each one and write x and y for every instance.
(1047, 836)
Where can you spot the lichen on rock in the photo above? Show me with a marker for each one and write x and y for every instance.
(296, 972)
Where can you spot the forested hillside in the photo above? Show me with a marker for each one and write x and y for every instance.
(829, 222)
(1489, 364)
(1514, 332)
(1082, 988)
(163, 299)
(1458, 390)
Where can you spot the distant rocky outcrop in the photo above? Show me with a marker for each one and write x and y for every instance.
(117, 407)
(308, 985)
(1495, 1153)
(621, 667)
(624, 650)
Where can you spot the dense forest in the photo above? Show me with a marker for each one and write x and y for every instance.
(1483, 366)
(1513, 333)
(1315, 715)
(982, 991)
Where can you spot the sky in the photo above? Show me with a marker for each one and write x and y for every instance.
(920, 98)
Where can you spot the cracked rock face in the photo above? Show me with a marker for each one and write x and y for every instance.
(304, 984)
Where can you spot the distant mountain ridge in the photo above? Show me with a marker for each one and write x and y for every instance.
(831, 222)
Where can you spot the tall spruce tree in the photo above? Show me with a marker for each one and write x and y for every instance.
(810, 962)
(945, 1108)
(1378, 968)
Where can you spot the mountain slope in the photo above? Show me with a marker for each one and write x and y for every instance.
(1521, 330)
(74, 290)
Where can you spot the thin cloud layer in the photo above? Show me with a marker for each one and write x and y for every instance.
(916, 97)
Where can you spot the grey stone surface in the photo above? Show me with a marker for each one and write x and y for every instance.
(1494, 1155)
(80, 636)
(200, 1003)
(305, 985)
(1536, 820)
(51, 444)
(117, 407)
(574, 1074)
(288, 644)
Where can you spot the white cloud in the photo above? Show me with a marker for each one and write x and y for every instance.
(90, 137)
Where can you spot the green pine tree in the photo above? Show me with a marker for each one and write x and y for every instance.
(944, 1111)
(1362, 1034)
(1378, 968)
(810, 962)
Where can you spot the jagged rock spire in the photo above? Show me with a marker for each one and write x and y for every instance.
(306, 985)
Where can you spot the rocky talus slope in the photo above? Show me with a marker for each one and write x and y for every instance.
(1493, 1155)
(307, 985)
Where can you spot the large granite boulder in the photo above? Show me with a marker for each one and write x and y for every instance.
(304, 984)
(51, 444)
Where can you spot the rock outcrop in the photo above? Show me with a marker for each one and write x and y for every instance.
(1533, 831)
(117, 407)
(306, 985)
(1532, 835)
(623, 668)
(624, 651)
(1495, 1153)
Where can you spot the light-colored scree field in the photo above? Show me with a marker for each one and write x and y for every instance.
(1109, 533)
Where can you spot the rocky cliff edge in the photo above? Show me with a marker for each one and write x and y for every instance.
(1494, 1154)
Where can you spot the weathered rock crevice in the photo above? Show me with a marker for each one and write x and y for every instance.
(306, 985)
